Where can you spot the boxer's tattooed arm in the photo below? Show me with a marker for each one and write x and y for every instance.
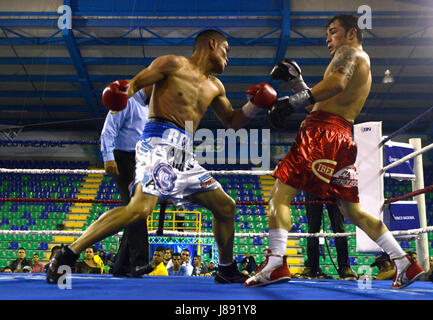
(345, 61)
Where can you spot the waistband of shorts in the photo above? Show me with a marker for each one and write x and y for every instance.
(166, 130)
(327, 119)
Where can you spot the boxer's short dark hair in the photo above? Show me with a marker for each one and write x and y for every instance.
(205, 35)
(348, 21)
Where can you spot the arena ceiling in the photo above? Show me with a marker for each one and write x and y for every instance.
(51, 77)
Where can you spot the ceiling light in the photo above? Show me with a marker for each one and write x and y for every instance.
(387, 78)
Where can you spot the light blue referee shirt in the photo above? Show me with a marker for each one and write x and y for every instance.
(123, 129)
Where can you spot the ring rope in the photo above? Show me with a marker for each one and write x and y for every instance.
(264, 203)
(408, 157)
(53, 143)
(71, 200)
(102, 171)
(406, 126)
(44, 143)
(413, 232)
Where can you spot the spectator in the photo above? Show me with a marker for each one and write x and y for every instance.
(413, 255)
(111, 255)
(7, 270)
(26, 269)
(212, 269)
(121, 131)
(37, 267)
(386, 267)
(177, 269)
(243, 267)
(20, 262)
(89, 265)
(429, 274)
(159, 268)
(314, 216)
(199, 269)
(103, 256)
(111, 258)
(168, 253)
(54, 250)
(251, 266)
(186, 260)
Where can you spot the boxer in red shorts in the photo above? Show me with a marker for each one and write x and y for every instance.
(321, 160)
(325, 169)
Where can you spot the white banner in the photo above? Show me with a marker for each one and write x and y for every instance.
(369, 165)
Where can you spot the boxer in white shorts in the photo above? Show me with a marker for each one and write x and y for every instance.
(165, 164)
(184, 88)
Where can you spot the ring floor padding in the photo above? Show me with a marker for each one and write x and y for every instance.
(106, 287)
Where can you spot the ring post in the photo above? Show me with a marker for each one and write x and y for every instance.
(369, 163)
(422, 250)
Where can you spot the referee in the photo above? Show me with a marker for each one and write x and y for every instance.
(121, 131)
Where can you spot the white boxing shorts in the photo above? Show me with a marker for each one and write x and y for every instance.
(165, 164)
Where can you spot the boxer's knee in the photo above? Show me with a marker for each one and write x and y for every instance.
(136, 210)
(356, 215)
(226, 210)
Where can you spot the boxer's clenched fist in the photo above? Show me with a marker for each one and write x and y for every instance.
(115, 95)
(260, 96)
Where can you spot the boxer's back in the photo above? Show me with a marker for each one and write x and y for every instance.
(348, 103)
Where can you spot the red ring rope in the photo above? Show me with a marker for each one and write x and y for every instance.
(395, 199)
(120, 201)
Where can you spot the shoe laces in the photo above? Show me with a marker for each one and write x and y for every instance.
(261, 275)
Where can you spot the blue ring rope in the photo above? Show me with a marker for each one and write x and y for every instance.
(42, 143)
(48, 143)
(406, 126)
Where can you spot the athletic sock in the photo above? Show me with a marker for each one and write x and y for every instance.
(388, 243)
(278, 245)
(278, 241)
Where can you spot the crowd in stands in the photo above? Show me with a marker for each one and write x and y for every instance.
(165, 262)
(92, 263)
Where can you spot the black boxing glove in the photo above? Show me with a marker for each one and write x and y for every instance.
(280, 112)
(289, 71)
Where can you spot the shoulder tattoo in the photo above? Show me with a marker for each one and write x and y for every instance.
(345, 61)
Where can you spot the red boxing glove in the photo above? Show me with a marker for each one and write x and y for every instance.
(262, 95)
(115, 95)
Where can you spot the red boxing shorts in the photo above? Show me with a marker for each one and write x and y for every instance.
(322, 158)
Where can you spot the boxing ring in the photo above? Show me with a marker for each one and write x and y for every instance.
(107, 287)
(30, 286)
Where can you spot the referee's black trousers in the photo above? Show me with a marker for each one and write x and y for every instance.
(314, 217)
(134, 245)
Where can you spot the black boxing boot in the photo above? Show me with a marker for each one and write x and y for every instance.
(65, 256)
(230, 274)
